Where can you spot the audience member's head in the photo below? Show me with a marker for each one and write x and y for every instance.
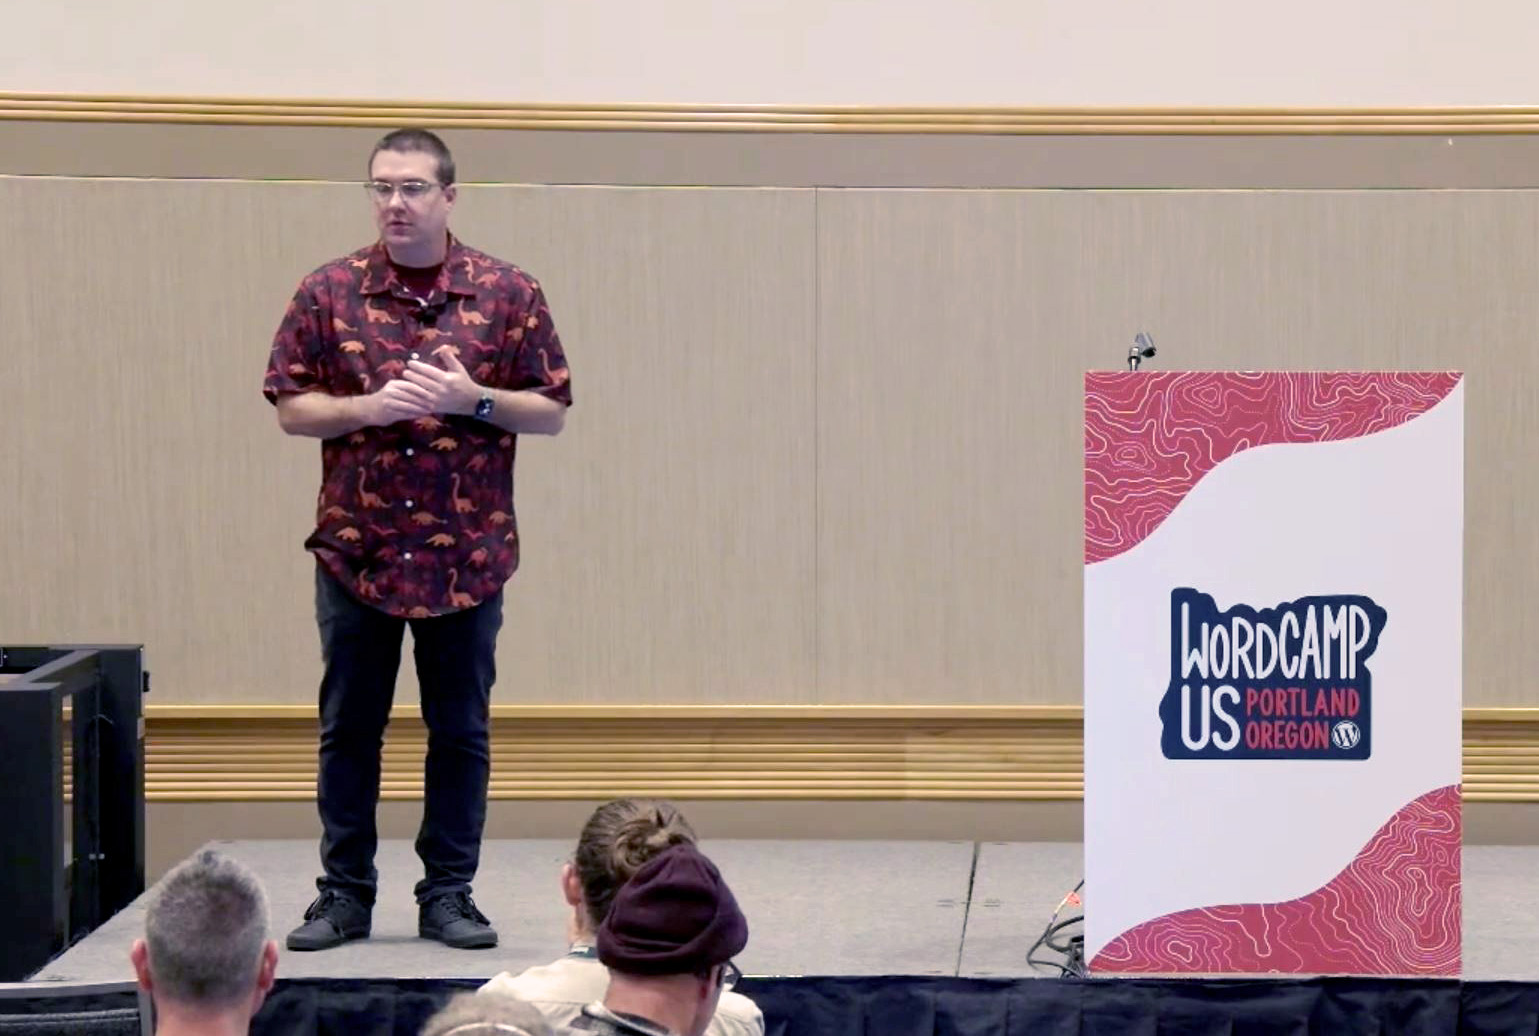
(205, 952)
(618, 838)
(486, 1014)
(669, 939)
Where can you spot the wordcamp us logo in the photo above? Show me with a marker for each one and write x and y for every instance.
(1289, 682)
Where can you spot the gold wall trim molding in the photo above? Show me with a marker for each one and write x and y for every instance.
(237, 111)
(698, 752)
(198, 753)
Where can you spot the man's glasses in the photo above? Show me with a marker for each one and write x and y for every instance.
(729, 975)
(412, 190)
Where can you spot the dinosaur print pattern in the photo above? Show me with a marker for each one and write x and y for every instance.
(417, 518)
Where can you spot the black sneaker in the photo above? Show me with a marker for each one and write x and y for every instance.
(333, 919)
(453, 920)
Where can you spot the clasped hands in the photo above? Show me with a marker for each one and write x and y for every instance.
(423, 389)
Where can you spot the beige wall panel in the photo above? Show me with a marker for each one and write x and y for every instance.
(670, 552)
(151, 498)
(954, 331)
(668, 533)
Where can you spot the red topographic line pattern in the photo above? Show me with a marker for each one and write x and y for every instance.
(1394, 911)
(1150, 437)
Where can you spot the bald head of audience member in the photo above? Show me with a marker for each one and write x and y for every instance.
(206, 958)
(487, 1014)
(668, 941)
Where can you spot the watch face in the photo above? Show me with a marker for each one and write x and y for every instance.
(484, 407)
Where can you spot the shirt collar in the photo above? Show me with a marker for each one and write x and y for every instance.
(628, 1023)
(379, 277)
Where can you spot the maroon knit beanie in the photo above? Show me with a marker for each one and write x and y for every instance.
(676, 916)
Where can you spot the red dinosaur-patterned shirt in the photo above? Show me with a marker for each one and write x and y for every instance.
(417, 517)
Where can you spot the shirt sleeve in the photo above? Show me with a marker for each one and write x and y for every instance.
(536, 360)
(295, 362)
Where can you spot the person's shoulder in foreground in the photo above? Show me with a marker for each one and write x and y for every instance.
(563, 987)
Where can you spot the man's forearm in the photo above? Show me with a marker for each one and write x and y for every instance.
(526, 413)
(321, 416)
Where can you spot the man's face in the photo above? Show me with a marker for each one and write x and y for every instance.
(410, 225)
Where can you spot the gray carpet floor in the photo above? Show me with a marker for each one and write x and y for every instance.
(814, 908)
(1015, 890)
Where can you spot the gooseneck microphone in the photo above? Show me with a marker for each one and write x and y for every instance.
(1141, 349)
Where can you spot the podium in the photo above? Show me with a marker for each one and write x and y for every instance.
(1273, 695)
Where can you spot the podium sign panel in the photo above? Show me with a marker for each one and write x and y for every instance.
(1273, 640)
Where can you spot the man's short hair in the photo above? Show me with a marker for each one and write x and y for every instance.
(205, 928)
(420, 140)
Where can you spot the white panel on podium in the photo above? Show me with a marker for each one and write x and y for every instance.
(1273, 640)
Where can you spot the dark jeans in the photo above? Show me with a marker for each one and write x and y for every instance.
(361, 647)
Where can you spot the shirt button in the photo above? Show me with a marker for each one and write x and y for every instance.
(410, 452)
(407, 555)
(414, 356)
(411, 503)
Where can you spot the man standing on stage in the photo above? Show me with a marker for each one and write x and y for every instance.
(416, 361)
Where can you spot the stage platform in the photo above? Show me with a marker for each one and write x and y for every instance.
(868, 930)
(877, 908)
